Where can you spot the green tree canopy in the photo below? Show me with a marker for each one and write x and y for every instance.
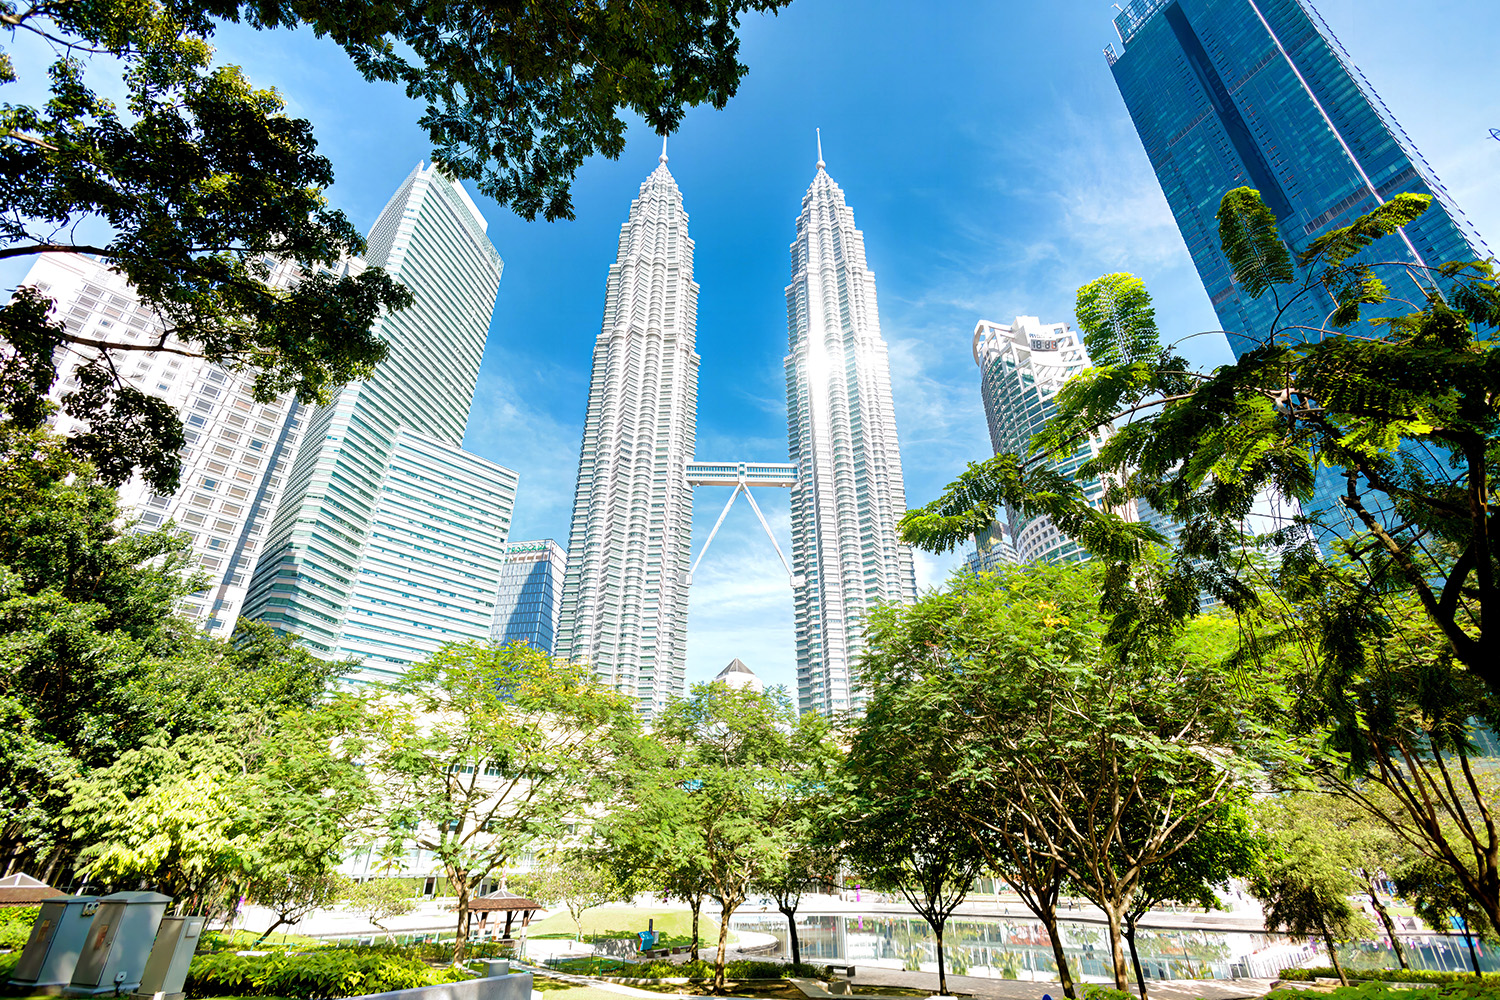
(1404, 408)
(717, 784)
(481, 752)
(1307, 876)
(201, 184)
(1064, 759)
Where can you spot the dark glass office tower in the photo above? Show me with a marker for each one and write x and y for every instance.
(1229, 93)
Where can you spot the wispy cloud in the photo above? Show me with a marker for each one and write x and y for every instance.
(505, 428)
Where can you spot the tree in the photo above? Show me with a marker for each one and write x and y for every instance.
(1396, 722)
(720, 778)
(1405, 411)
(649, 830)
(812, 861)
(576, 880)
(917, 854)
(1306, 879)
(481, 751)
(204, 184)
(1226, 848)
(380, 899)
(1442, 902)
(295, 896)
(1057, 748)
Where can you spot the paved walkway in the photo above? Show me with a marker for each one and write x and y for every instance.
(1014, 989)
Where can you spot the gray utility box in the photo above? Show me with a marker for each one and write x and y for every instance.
(119, 941)
(56, 939)
(167, 968)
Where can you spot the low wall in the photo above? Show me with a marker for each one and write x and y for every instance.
(516, 986)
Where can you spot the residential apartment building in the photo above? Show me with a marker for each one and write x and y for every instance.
(238, 451)
(1022, 366)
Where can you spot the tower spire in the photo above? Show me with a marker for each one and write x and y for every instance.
(821, 164)
(663, 157)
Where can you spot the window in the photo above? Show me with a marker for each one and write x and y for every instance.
(209, 484)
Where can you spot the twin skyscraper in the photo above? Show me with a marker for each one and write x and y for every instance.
(625, 597)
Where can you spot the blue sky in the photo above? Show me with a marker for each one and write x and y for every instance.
(991, 165)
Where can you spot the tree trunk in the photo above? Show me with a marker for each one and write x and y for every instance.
(461, 938)
(726, 910)
(1116, 950)
(278, 923)
(697, 904)
(942, 972)
(1385, 918)
(1333, 953)
(1048, 918)
(791, 929)
(1135, 956)
(1473, 955)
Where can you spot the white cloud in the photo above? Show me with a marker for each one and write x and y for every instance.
(505, 428)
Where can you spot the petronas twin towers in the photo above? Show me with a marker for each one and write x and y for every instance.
(625, 598)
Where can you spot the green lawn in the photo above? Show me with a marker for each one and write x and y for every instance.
(604, 922)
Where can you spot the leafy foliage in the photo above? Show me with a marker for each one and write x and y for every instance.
(480, 751)
(319, 975)
(379, 899)
(998, 703)
(1306, 880)
(1251, 241)
(716, 788)
(1468, 990)
(1308, 974)
(201, 183)
(1406, 412)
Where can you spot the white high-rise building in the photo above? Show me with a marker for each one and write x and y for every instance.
(237, 451)
(1022, 367)
(624, 608)
(849, 494)
(390, 538)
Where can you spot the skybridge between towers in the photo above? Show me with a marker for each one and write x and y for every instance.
(742, 476)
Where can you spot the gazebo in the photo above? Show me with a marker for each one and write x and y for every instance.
(508, 903)
(23, 890)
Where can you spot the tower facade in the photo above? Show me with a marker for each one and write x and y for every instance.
(529, 601)
(1259, 93)
(237, 451)
(431, 238)
(841, 426)
(1021, 369)
(624, 607)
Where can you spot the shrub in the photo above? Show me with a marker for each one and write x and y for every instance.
(319, 975)
(1388, 975)
(15, 924)
(1093, 991)
(1475, 989)
(8, 965)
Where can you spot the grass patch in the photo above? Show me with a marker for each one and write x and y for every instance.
(603, 922)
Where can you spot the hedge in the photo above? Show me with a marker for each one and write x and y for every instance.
(1389, 975)
(1474, 989)
(317, 975)
(15, 924)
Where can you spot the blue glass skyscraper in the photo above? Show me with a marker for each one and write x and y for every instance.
(529, 601)
(1259, 93)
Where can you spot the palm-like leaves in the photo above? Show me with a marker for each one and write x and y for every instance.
(1251, 241)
